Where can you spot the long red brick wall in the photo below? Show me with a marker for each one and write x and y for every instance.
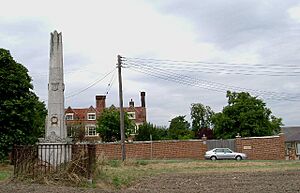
(256, 148)
(171, 149)
(262, 148)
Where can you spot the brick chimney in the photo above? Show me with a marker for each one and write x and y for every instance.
(100, 102)
(143, 103)
(131, 103)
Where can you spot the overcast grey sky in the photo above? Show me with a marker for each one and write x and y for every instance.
(240, 33)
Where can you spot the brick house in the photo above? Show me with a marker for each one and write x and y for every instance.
(86, 118)
(292, 142)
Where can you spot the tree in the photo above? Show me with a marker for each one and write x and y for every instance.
(22, 115)
(108, 125)
(207, 132)
(179, 128)
(76, 131)
(201, 120)
(201, 116)
(246, 115)
(147, 129)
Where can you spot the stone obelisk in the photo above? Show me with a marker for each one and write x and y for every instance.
(55, 124)
(53, 149)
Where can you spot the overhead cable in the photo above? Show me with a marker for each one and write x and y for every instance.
(99, 79)
(194, 81)
(239, 70)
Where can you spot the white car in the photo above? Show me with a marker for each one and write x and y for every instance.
(224, 153)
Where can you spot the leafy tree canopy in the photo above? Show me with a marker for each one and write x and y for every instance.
(22, 115)
(108, 125)
(246, 115)
(179, 128)
(147, 129)
(207, 132)
(201, 120)
(76, 131)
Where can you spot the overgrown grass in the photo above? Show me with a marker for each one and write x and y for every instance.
(115, 174)
(118, 174)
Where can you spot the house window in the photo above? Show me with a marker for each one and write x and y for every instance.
(70, 116)
(136, 127)
(91, 116)
(288, 146)
(90, 130)
(298, 149)
(70, 131)
(131, 115)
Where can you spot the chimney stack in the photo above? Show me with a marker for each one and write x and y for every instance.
(131, 103)
(100, 102)
(143, 103)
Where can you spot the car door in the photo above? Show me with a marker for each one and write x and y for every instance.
(220, 153)
(228, 154)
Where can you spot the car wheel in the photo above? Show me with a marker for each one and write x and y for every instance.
(238, 158)
(213, 158)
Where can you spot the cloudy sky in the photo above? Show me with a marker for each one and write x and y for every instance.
(201, 49)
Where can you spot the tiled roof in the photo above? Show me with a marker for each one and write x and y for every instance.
(81, 113)
(291, 133)
(140, 113)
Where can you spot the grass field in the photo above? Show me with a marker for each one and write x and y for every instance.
(116, 174)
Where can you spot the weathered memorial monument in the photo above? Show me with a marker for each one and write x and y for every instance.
(54, 149)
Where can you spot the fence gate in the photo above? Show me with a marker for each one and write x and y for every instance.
(228, 143)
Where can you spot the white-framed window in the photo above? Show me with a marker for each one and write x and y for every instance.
(136, 127)
(90, 130)
(288, 146)
(298, 148)
(70, 130)
(91, 116)
(131, 115)
(69, 116)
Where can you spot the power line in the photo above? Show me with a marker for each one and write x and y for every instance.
(91, 85)
(206, 62)
(215, 88)
(241, 70)
(187, 80)
(203, 69)
(110, 83)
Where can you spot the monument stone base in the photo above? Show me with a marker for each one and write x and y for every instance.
(54, 150)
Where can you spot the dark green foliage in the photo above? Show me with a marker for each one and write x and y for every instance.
(22, 115)
(207, 132)
(108, 125)
(201, 116)
(245, 115)
(201, 119)
(76, 131)
(179, 129)
(147, 129)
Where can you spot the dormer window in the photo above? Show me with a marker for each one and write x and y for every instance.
(131, 115)
(69, 116)
(91, 116)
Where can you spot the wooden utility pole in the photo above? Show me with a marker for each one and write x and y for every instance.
(119, 65)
